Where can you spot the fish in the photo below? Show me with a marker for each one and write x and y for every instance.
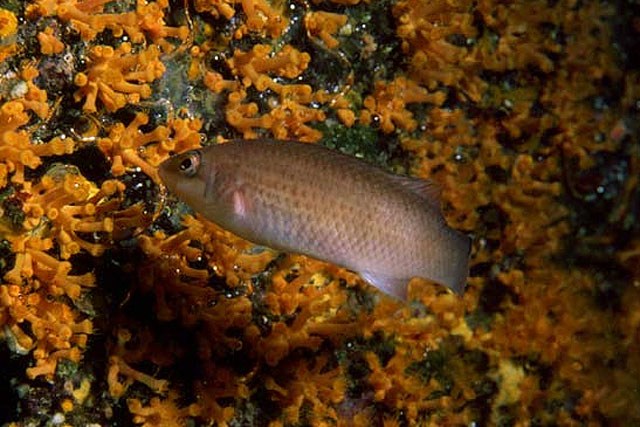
(308, 199)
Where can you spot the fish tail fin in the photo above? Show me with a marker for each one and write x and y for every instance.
(456, 266)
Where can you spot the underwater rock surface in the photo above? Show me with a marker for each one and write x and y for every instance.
(118, 305)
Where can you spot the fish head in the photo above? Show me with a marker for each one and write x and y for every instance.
(185, 176)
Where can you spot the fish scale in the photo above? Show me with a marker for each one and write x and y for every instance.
(308, 199)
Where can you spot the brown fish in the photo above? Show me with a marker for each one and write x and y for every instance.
(308, 199)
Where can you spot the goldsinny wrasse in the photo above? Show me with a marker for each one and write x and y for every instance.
(308, 199)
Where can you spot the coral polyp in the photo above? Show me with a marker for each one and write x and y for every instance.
(120, 305)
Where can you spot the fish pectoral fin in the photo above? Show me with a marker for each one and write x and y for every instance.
(394, 286)
(240, 204)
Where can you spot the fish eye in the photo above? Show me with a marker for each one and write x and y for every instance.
(190, 164)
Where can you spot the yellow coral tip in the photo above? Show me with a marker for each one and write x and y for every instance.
(8, 23)
(66, 405)
(80, 79)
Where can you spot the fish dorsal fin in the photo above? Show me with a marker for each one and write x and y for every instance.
(394, 286)
(427, 190)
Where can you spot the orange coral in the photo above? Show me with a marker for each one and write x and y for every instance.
(286, 121)
(150, 17)
(32, 261)
(87, 17)
(424, 28)
(33, 98)
(315, 384)
(520, 122)
(127, 147)
(159, 412)
(216, 7)
(55, 331)
(16, 149)
(253, 65)
(216, 83)
(260, 15)
(8, 23)
(13, 143)
(290, 111)
(71, 204)
(389, 101)
(324, 25)
(509, 22)
(289, 116)
(112, 74)
(49, 43)
(8, 30)
(118, 367)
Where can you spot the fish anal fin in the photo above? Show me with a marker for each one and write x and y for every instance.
(427, 190)
(394, 286)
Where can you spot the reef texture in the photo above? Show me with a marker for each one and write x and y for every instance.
(120, 306)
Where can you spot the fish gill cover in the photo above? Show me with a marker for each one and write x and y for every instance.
(119, 308)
